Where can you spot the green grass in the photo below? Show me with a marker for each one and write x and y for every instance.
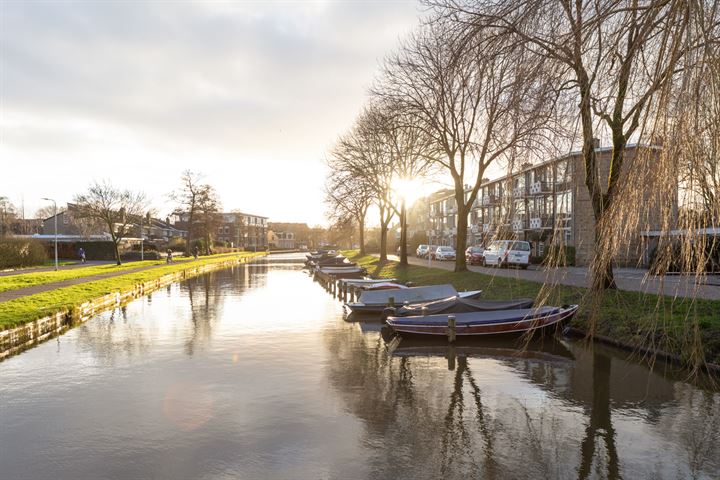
(29, 279)
(26, 309)
(632, 318)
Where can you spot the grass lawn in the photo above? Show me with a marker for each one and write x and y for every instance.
(632, 318)
(22, 310)
(30, 278)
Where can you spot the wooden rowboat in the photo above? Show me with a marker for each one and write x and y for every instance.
(501, 322)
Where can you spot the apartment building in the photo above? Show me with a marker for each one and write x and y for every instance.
(243, 230)
(540, 203)
(238, 229)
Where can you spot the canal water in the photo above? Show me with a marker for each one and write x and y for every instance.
(254, 373)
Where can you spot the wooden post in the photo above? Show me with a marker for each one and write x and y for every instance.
(451, 328)
(451, 357)
(391, 302)
(424, 311)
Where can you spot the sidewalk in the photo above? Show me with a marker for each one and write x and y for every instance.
(45, 287)
(22, 271)
(629, 279)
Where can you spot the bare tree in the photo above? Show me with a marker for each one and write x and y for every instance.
(207, 208)
(475, 96)
(614, 58)
(347, 196)
(113, 207)
(409, 151)
(187, 198)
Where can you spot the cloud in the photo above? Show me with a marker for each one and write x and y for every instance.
(199, 82)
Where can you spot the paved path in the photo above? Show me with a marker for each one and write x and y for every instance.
(23, 271)
(630, 279)
(46, 287)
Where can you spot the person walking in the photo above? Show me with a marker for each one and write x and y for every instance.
(169, 258)
(81, 254)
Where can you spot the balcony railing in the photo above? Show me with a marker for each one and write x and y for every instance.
(539, 223)
(538, 188)
(519, 192)
(517, 225)
(490, 199)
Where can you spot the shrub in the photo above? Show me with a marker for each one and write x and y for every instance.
(16, 252)
(560, 256)
(372, 246)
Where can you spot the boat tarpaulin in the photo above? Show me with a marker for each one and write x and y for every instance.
(462, 305)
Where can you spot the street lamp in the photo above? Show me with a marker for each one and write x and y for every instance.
(56, 236)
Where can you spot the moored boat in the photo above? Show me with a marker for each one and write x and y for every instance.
(378, 300)
(502, 322)
(461, 305)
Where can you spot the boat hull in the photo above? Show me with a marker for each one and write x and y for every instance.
(534, 323)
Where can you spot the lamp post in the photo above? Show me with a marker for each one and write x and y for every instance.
(56, 235)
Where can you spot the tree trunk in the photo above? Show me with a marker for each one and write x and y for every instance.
(116, 250)
(188, 242)
(361, 232)
(601, 269)
(461, 236)
(403, 234)
(383, 241)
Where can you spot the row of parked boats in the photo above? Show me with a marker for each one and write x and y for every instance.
(437, 310)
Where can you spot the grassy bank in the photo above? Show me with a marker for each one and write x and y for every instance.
(28, 278)
(632, 318)
(26, 309)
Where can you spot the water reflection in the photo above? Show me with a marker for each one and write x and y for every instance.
(252, 372)
(545, 412)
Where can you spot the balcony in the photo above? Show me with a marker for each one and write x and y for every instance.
(489, 200)
(488, 227)
(540, 223)
(519, 192)
(539, 188)
(517, 225)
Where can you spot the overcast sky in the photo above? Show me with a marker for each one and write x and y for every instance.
(252, 94)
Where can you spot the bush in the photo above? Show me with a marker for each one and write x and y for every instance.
(16, 252)
(147, 247)
(176, 244)
(372, 246)
(561, 257)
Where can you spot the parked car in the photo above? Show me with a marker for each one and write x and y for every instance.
(444, 253)
(474, 255)
(423, 250)
(503, 253)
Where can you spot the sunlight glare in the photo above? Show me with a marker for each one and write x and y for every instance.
(408, 189)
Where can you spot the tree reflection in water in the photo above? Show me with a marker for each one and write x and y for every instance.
(600, 423)
(481, 412)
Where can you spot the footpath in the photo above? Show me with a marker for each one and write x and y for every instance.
(628, 279)
(46, 287)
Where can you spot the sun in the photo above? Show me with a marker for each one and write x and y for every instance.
(408, 189)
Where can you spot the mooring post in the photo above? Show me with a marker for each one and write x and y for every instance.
(424, 311)
(451, 328)
(391, 302)
(451, 357)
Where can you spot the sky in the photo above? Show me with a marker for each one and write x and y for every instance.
(250, 94)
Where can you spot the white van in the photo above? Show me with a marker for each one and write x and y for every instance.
(503, 253)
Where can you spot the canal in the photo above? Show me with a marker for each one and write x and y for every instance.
(253, 373)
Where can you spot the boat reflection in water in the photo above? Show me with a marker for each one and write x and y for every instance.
(501, 408)
(252, 372)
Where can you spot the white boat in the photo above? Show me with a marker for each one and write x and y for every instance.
(360, 282)
(377, 300)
